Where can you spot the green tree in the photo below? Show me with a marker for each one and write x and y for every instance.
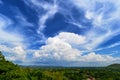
(2, 58)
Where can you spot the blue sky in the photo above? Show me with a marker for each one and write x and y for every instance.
(60, 32)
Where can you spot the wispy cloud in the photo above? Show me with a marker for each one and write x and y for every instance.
(49, 10)
(108, 47)
(52, 9)
(99, 13)
(102, 15)
(6, 36)
(12, 42)
(103, 18)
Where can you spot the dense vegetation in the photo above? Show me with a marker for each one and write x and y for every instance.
(114, 66)
(10, 71)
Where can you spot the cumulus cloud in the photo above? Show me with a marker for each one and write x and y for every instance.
(93, 57)
(59, 48)
(14, 53)
(19, 50)
(71, 38)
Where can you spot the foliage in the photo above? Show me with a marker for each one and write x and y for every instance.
(114, 66)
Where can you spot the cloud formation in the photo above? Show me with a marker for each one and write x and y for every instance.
(78, 28)
(49, 10)
(94, 13)
(14, 53)
(5, 35)
(60, 48)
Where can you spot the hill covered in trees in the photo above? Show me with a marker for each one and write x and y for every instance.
(114, 66)
(10, 71)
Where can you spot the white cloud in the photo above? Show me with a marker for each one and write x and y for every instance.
(49, 10)
(52, 9)
(59, 48)
(94, 39)
(7, 36)
(93, 57)
(19, 50)
(5, 48)
(97, 18)
(14, 53)
(101, 20)
(108, 47)
(22, 21)
(45, 11)
(65, 45)
(14, 37)
(70, 38)
(82, 4)
(102, 17)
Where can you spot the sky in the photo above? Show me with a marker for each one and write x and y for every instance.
(60, 32)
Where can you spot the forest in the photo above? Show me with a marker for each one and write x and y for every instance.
(11, 71)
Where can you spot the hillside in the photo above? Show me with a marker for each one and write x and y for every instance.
(11, 71)
(114, 66)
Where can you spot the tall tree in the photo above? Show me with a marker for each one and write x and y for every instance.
(2, 58)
